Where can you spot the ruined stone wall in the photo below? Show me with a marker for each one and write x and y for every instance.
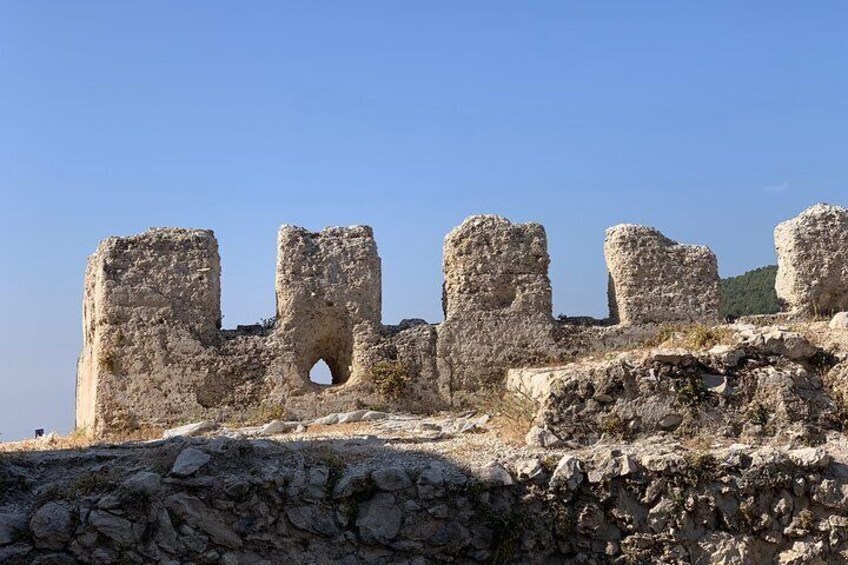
(812, 260)
(257, 502)
(654, 279)
(154, 354)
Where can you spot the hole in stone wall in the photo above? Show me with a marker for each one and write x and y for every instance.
(321, 374)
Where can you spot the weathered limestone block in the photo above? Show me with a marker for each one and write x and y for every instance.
(147, 297)
(812, 260)
(654, 279)
(497, 303)
(491, 264)
(329, 299)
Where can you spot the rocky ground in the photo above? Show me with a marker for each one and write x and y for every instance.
(710, 445)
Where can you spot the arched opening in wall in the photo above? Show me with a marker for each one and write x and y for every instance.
(321, 374)
(327, 353)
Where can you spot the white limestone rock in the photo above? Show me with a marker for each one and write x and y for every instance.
(350, 417)
(540, 437)
(530, 469)
(278, 427)
(810, 457)
(839, 321)
(727, 356)
(495, 474)
(189, 461)
(568, 473)
(191, 430)
(779, 341)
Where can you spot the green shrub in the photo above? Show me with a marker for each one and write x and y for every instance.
(390, 378)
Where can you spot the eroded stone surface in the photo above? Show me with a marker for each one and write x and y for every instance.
(189, 461)
(154, 353)
(51, 525)
(812, 260)
(654, 279)
(329, 297)
(497, 303)
(491, 264)
(773, 388)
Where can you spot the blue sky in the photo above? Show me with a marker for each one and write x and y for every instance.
(712, 121)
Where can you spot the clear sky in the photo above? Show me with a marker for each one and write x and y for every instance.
(712, 121)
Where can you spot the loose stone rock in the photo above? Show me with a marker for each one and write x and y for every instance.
(530, 470)
(189, 461)
(540, 437)
(279, 427)
(671, 421)
(810, 457)
(190, 430)
(379, 519)
(51, 525)
(11, 526)
(839, 321)
(568, 473)
(350, 417)
(495, 474)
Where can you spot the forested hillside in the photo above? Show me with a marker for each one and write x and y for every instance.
(750, 293)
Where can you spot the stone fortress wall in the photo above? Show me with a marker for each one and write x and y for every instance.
(154, 353)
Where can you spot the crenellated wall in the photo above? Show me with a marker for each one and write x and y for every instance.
(154, 353)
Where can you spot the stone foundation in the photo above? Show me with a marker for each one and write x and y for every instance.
(268, 501)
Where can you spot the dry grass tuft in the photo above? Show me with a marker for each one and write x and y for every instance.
(390, 378)
(691, 336)
(512, 414)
